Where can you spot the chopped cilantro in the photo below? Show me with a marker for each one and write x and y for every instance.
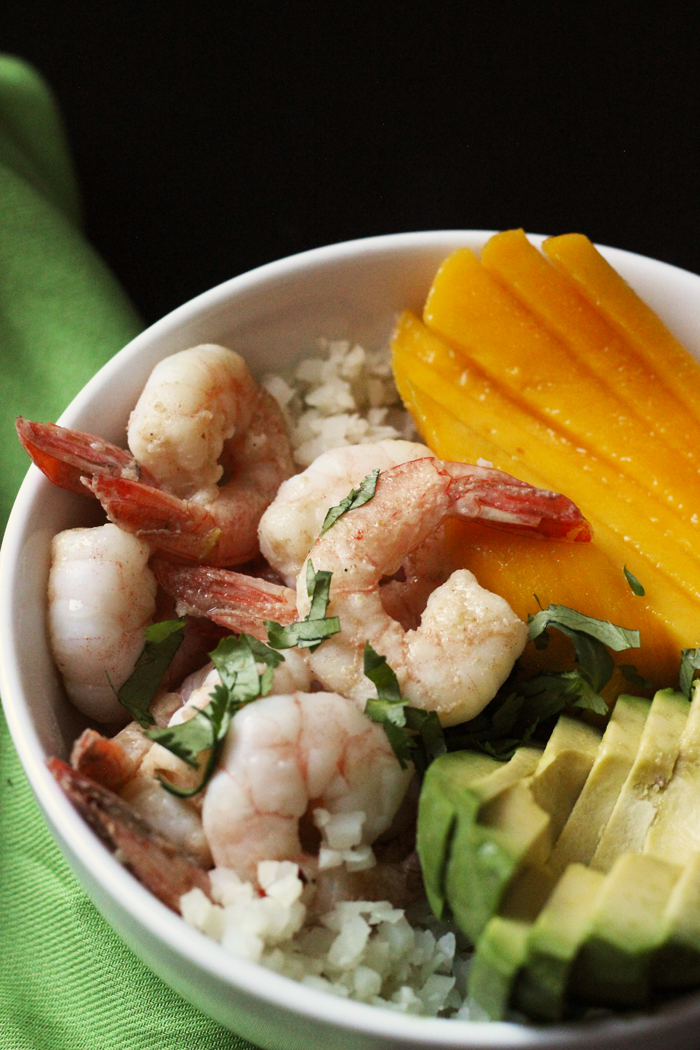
(632, 675)
(415, 735)
(513, 716)
(635, 585)
(355, 498)
(236, 659)
(690, 663)
(311, 631)
(162, 642)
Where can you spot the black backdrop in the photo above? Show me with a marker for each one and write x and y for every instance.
(210, 138)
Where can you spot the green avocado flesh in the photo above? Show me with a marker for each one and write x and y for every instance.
(675, 835)
(614, 964)
(616, 754)
(554, 941)
(499, 955)
(676, 963)
(643, 790)
(563, 769)
(511, 831)
(480, 821)
(455, 788)
(502, 948)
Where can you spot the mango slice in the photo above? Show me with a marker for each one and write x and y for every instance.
(554, 298)
(574, 255)
(477, 316)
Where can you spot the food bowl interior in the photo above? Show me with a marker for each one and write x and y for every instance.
(273, 316)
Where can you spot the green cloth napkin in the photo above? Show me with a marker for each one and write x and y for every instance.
(66, 981)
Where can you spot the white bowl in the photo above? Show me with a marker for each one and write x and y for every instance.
(273, 316)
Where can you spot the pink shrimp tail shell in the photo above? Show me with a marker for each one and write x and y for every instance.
(504, 502)
(153, 859)
(232, 599)
(67, 456)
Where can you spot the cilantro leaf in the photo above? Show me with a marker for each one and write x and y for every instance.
(311, 631)
(236, 660)
(393, 718)
(690, 663)
(354, 499)
(162, 642)
(415, 735)
(632, 675)
(591, 640)
(189, 739)
(560, 616)
(635, 585)
(380, 674)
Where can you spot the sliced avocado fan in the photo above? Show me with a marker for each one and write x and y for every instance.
(481, 821)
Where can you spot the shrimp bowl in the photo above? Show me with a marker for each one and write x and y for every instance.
(273, 318)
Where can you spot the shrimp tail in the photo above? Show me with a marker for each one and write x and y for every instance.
(101, 759)
(163, 869)
(180, 528)
(507, 503)
(66, 456)
(238, 602)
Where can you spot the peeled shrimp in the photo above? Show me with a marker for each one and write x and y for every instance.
(209, 451)
(131, 765)
(294, 519)
(289, 754)
(101, 597)
(468, 638)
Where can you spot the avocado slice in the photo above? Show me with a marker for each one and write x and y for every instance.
(455, 787)
(563, 769)
(554, 941)
(676, 963)
(499, 955)
(674, 835)
(616, 754)
(614, 964)
(651, 772)
(502, 948)
(513, 829)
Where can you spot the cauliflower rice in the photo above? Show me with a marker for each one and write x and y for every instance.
(362, 950)
(346, 397)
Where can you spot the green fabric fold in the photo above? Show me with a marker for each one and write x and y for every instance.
(66, 980)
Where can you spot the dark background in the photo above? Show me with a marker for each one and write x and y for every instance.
(217, 137)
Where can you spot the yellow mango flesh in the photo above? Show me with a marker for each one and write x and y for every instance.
(594, 277)
(464, 416)
(553, 297)
(477, 316)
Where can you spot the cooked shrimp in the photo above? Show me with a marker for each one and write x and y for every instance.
(209, 451)
(159, 864)
(289, 754)
(294, 519)
(101, 597)
(468, 638)
(131, 765)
